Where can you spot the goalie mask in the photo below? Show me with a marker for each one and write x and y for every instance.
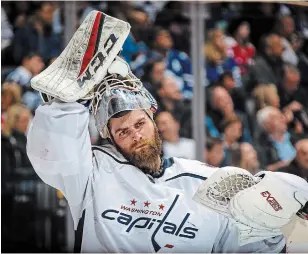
(120, 91)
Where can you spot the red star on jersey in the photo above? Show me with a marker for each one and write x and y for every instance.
(133, 202)
(147, 204)
(161, 207)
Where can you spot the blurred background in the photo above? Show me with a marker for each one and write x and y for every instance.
(254, 85)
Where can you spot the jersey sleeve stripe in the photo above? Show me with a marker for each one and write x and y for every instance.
(187, 174)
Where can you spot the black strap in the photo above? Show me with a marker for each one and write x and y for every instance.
(79, 233)
(95, 148)
(284, 250)
(186, 174)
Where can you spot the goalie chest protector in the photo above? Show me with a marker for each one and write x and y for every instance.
(127, 210)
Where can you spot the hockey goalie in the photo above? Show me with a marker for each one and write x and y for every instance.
(124, 196)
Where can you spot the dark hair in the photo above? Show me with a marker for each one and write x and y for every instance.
(148, 68)
(264, 42)
(41, 4)
(31, 54)
(211, 142)
(118, 115)
(229, 121)
(156, 31)
(166, 111)
(226, 74)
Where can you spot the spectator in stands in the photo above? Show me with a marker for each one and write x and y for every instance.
(232, 132)
(21, 12)
(38, 35)
(233, 129)
(286, 28)
(151, 8)
(291, 90)
(303, 65)
(261, 17)
(299, 166)
(268, 66)
(133, 52)
(10, 95)
(154, 72)
(135, 48)
(217, 60)
(221, 106)
(294, 100)
(274, 141)
(173, 144)
(15, 127)
(237, 94)
(32, 65)
(243, 51)
(169, 94)
(220, 109)
(173, 18)
(266, 95)
(171, 99)
(214, 152)
(245, 156)
(178, 62)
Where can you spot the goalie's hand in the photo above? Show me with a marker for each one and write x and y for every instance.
(85, 60)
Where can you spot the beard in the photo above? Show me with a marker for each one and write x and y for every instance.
(146, 158)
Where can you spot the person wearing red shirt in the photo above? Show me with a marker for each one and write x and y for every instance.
(243, 51)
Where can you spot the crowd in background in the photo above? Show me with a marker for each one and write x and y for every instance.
(256, 77)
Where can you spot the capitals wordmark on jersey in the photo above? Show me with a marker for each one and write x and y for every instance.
(152, 219)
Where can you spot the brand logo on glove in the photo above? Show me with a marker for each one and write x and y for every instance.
(97, 60)
(271, 200)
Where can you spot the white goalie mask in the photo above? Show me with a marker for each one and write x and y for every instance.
(120, 91)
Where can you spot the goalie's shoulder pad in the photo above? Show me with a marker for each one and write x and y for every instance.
(270, 203)
(195, 167)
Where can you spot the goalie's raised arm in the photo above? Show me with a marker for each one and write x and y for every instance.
(59, 147)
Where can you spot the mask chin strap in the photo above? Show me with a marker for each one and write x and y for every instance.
(45, 97)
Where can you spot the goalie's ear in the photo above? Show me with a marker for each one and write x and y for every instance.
(85, 60)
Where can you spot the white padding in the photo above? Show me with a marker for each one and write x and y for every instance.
(119, 66)
(84, 63)
(270, 203)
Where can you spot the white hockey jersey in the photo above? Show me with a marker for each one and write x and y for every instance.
(118, 208)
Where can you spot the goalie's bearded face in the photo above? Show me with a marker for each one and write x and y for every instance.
(137, 138)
